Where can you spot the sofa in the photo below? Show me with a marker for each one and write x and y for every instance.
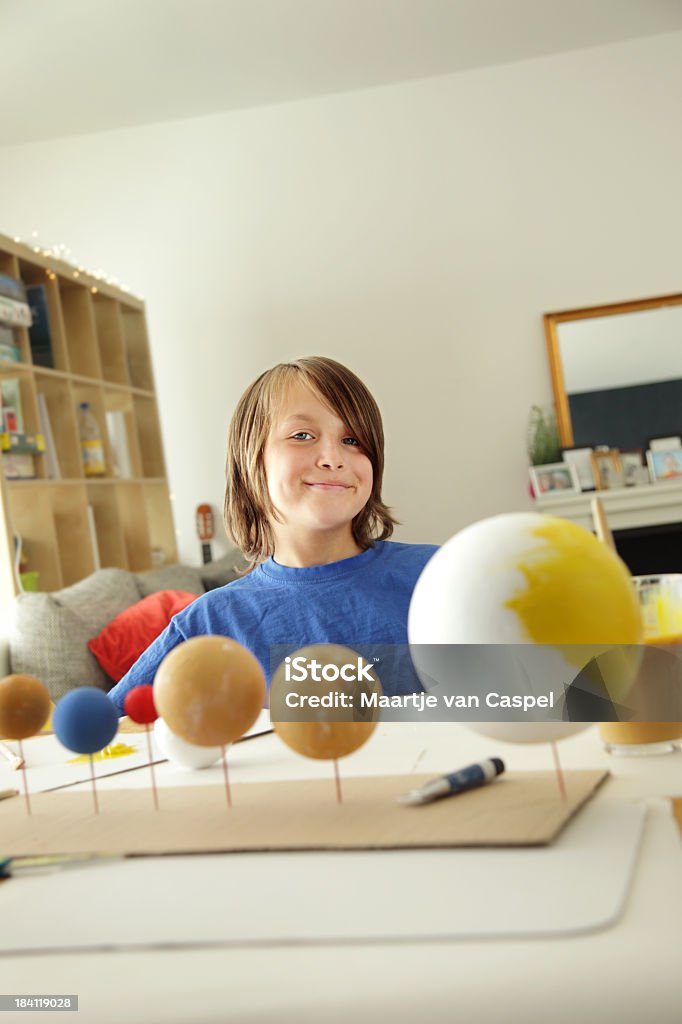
(47, 634)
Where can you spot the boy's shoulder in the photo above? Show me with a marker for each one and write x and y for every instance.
(411, 553)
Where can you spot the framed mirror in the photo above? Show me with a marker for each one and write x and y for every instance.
(617, 372)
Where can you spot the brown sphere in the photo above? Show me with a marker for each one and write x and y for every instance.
(25, 706)
(324, 741)
(209, 690)
(335, 724)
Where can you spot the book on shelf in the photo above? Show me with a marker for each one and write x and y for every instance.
(17, 314)
(118, 438)
(92, 531)
(51, 459)
(39, 334)
(12, 288)
(10, 400)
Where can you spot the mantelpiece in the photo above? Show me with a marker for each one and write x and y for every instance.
(626, 507)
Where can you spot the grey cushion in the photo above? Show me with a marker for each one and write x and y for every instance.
(223, 570)
(51, 631)
(170, 577)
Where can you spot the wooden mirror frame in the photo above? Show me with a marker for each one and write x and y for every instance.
(556, 370)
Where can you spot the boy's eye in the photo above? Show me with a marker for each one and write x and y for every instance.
(302, 434)
(351, 441)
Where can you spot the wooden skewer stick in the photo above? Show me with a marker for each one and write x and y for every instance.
(94, 787)
(227, 781)
(24, 778)
(559, 773)
(151, 767)
(337, 778)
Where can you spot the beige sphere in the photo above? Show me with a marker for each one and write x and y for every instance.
(330, 731)
(25, 706)
(209, 690)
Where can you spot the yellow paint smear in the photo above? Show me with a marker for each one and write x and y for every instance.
(114, 750)
(578, 592)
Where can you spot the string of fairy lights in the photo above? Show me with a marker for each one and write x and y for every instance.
(62, 253)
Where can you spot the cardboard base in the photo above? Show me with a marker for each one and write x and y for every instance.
(519, 809)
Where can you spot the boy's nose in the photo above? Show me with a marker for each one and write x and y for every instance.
(330, 458)
(327, 462)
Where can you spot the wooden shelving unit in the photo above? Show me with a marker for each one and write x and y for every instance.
(101, 356)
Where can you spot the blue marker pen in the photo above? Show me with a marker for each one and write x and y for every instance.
(456, 782)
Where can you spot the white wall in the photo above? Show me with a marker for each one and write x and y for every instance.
(416, 232)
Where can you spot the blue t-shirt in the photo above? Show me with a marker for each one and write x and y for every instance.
(359, 600)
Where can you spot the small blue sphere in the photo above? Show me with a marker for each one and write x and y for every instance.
(85, 720)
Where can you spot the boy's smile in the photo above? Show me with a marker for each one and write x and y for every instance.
(319, 479)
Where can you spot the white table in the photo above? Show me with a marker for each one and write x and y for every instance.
(628, 973)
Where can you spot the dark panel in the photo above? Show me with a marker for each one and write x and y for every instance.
(627, 417)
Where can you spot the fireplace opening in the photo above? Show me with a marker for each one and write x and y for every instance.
(651, 549)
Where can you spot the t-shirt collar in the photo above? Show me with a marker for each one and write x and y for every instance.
(319, 573)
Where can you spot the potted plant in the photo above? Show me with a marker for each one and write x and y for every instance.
(543, 443)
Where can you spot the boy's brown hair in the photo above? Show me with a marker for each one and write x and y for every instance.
(248, 507)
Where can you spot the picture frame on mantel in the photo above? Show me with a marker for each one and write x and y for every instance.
(665, 465)
(607, 468)
(581, 459)
(554, 479)
(635, 472)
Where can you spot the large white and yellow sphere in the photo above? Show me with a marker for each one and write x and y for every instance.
(525, 578)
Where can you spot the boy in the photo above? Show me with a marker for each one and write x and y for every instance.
(303, 502)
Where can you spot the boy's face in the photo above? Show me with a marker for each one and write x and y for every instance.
(318, 476)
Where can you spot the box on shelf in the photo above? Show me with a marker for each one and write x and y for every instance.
(17, 314)
(21, 444)
(12, 288)
(18, 466)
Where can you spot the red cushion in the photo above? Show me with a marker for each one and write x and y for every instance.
(121, 643)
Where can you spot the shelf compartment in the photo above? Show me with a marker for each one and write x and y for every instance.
(132, 514)
(112, 352)
(122, 434)
(32, 275)
(9, 265)
(81, 333)
(149, 436)
(31, 518)
(29, 422)
(94, 395)
(69, 510)
(60, 403)
(108, 527)
(137, 349)
(159, 513)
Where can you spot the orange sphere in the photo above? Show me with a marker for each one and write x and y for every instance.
(24, 706)
(334, 723)
(209, 690)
